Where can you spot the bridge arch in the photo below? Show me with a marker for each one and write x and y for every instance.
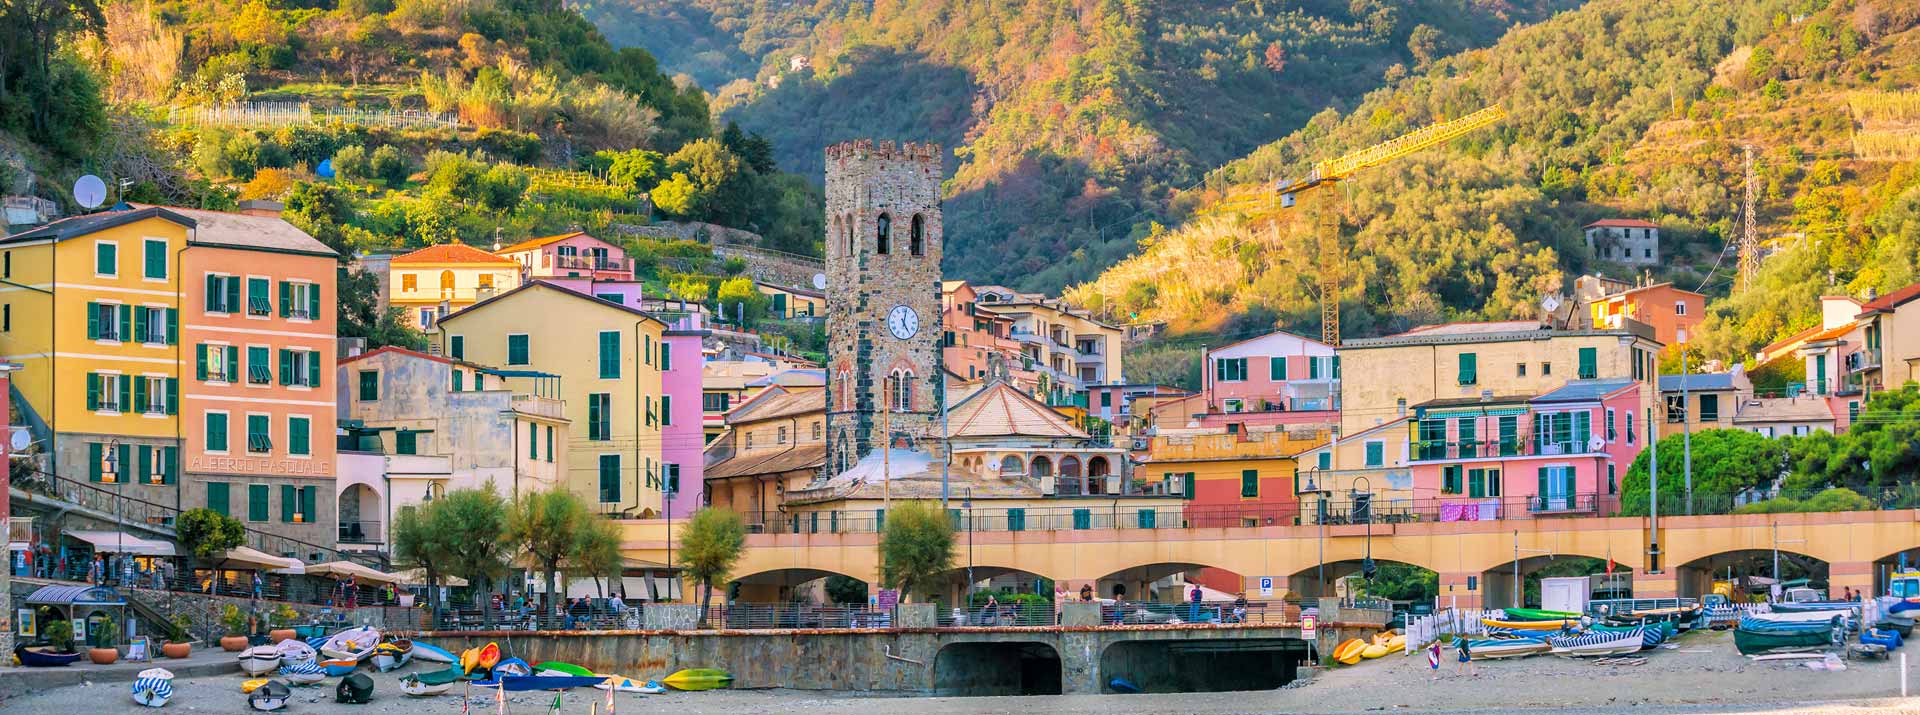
(1751, 569)
(1885, 567)
(973, 668)
(1316, 580)
(1150, 581)
(783, 585)
(1502, 587)
(952, 586)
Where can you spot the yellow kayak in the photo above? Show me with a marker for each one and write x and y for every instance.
(1528, 625)
(252, 685)
(1348, 653)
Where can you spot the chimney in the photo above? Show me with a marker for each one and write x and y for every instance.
(1871, 294)
(262, 208)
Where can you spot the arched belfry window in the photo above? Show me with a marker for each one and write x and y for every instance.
(846, 227)
(918, 232)
(882, 234)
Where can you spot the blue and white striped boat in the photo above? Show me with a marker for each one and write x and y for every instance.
(1496, 632)
(1599, 643)
(303, 672)
(154, 687)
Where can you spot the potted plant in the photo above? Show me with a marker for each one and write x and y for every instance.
(179, 642)
(107, 634)
(281, 620)
(236, 624)
(59, 634)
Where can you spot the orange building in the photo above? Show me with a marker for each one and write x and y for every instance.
(973, 334)
(1675, 314)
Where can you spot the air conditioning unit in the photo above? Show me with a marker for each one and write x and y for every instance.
(1046, 486)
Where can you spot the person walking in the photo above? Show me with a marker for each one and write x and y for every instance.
(1433, 658)
(1466, 658)
(95, 569)
(1193, 609)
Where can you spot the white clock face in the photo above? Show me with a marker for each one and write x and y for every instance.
(903, 322)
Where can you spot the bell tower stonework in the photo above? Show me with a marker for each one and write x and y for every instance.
(883, 297)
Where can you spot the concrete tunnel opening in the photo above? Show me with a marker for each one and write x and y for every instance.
(1021, 668)
(1202, 666)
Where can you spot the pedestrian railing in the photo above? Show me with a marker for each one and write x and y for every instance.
(1456, 622)
(750, 616)
(1001, 615)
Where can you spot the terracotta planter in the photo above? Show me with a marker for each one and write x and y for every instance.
(283, 634)
(103, 656)
(176, 650)
(233, 644)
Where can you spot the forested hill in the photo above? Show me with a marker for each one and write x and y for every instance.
(1073, 121)
(1636, 108)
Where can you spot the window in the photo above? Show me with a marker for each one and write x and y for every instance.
(259, 434)
(106, 259)
(259, 303)
(549, 444)
(299, 301)
(1676, 409)
(781, 438)
(816, 431)
(105, 464)
(1520, 369)
(1679, 307)
(299, 438)
(614, 298)
(917, 236)
(882, 234)
(1467, 434)
(459, 381)
(1709, 408)
(517, 350)
(156, 325)
(647, 352)
(672, 478)
(1483, 483)
(157, 394)
(1106, 398)
(409, 282)
(1249, 483)
(1376, 453)
(1612, 434)
(1450, 479)
(155, 265)
(666, 356)
(715, 401)
(158, 465)
(259, 372)
(1630, 433)
(218, 363)
(369, 385)
(217, 498)
(609, 354)
(109, 321)
(1613, 484)
(1509, 427)
(107, 392)
(300, 368)
(457, 347)
(533, 441)
(308, 507)
(1313, 368)
(900, 390)
(1588, 368)
(6, 318)
(1546, 369)
(1230, 370)
(257, 506)
(1469, 373)
(486, 283)
(609, 478)
(1325, 460)
(599, 416)
(1277, 368)
(216, 432)
(406, 441)
(1433, 440)
(1853, 411)
(223, 294)
(427, 317)
(666, 410)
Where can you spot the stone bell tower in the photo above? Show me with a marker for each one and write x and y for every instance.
(883, 297)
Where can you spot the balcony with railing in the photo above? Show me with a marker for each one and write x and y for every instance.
(537, 406)
(601, 264)
(1521, 445)
(361, 532)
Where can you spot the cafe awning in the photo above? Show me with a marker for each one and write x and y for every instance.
(119, 542)
(344, 569)
(248, 558)
(63, 595)
(418, 577)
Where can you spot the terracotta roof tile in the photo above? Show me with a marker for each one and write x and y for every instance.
(1891, 300)
(533, 243)
(453, 253)
(1622, 223)
(1000, 409)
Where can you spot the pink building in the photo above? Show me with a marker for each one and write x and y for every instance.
(1519, 456)
(569, 255)
(1276, 372)
(684, 436)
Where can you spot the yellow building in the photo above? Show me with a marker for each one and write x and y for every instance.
(607, 357)
(1071, 349)
(436, 281)
(90, 310)
(793, 302)
(1231, 478)
(774, 443)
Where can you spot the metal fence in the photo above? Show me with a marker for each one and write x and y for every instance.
(291, 113)
(1422, 630)
(747, 616)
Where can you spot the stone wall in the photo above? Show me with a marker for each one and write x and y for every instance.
(708, 233)
(781, 269)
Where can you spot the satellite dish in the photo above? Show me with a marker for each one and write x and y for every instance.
(1550, 303)
(20, 439)
(819, 281)
(90, 191)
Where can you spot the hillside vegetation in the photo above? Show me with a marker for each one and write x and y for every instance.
(1620, 108)
(1072, 121)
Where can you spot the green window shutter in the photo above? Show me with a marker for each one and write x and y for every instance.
(1469, 371)
(1016, 519)
(1313, 368)
(216, 432)
(170, 464)
(126, 323)
(369, 385)
(457, 347)
(1187, 485)
(1476, 483)
(517, 350)
(648, 351)
(139, 334)
(666, 355)
(259, 298)
(609, 478)
(313, 300)
(1589, 363)
(1082, 519)
(533, 441)
(405, 442)
(93, 321)
(173, 395)
(549, 444)
(216, 293)
(1541, 488)
(126, 394)
(297, 436)
(94, 455)
(256, 502)
(593, 417)
(459, 381)
(93, 391)
(106, 259)
(610, 355)
(1249, 482)
(233, 294)
(1582, 430)
(289, 498)
(1277, 368)
(233, 364)
(666, 410)
(139, 403)
(156, 259)
(286, 299)
(1376, 453)
(309, 507)
(173, 326)
(286, 366)
(200, 362)
(1219, 370)
(217, 498)
(313, 369)
(879, 519)
(1144, 518)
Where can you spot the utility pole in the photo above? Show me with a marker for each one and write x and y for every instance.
(1749, 236)
(1686, 427)
(886, 455)
(1653, 480)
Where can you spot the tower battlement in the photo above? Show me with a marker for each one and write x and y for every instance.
(885, 149)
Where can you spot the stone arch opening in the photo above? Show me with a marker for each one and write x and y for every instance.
(980, 669)
(360, 515)
(1011, 464)
(1171, 583)
(1497, 581)
(1886, 566)
(882, 234)
(1751, 574)
(1197, 666)
(446, 283)
(793, 585)
(961, 595)
(917, 236)
(1042, 466)
(1398, 581)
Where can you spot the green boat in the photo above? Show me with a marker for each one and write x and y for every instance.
(559, 667)
(1535, 614)
(1757, 642)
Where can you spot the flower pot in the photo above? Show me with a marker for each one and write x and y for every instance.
(176, 650)
(283, 634)
(103, 656)
(233, 644)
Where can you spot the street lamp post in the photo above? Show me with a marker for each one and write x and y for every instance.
(1366, 564)
(1320, 519)
(968, 504)
(119, 507)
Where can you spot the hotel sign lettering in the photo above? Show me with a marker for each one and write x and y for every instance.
(259, 465)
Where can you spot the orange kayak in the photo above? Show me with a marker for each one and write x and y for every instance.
(480, 660)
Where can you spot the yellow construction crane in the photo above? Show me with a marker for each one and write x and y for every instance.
(1326, 173)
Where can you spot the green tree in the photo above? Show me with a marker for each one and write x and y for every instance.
(473, 526)
(1774, 90)
(636, 170)
(351, 164)
(549, 525)
(389, 165)
(846, 590)
(916, 545)
(709, 547)
(418, 543)
(362, 317)
(1725, 462)
(595, 552)
(206, 533)
(739, 298)
(677, 195)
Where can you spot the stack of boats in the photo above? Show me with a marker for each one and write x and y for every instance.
(1761, 633)
(1525, 631)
